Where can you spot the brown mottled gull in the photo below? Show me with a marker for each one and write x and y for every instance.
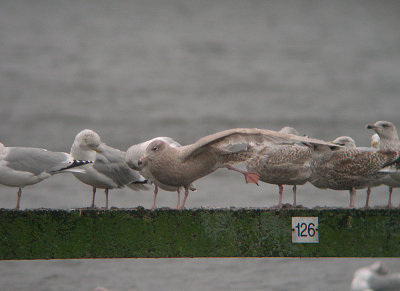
(375, 179)
(283, 165)
(179, 167)
(109, 171)
(23, 166)
(350, 168)
(132, 157)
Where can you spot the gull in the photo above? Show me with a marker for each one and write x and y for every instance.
(283, 165)
(23, 166)
(374, 180)
(109, 171)
(350, 168)
(387, 132)
(388, 143)
(181, 166)
(390, 179)
(133, 155)
(375, 278)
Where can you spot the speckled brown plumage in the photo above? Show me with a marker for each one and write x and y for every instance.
(182, 166)
(355, 168)
(283, 165)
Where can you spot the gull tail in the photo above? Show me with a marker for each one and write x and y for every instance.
(393, 166)
(139, 185)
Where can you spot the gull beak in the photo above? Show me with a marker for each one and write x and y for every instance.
(143, 160)
(371, 126)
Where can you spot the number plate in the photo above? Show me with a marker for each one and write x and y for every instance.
(305, 230)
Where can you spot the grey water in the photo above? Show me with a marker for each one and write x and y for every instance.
(133, 70)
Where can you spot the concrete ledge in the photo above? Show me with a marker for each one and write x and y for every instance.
(139, 233)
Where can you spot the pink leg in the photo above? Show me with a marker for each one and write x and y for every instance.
(280, 196)
(106, 192)
(155, 197)
(179, 197)
(294, 195)
(352, 197)
(184, 198)
(390, 197)
(93, 197)
(368, 195)
(19, 193)
(249, 177)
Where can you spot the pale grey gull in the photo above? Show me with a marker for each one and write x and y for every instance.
(109, 171)
(23, 166)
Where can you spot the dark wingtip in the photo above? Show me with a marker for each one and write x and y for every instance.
(77, 163)
(141, 182)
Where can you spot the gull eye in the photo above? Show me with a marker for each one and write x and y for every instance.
(154, 148)
(385, 125)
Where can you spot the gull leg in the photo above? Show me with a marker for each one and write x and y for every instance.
(280, 196)
(368, 195)
(390, 197)
(184, 198)
(294, 195)
(155, 197)
(19, 193)
(106, 192)
(249, 177)
(352, 197)
(93, 197)
(179, 197)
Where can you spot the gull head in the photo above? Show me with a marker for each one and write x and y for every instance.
(153, 151)
(88, 139)
(345, 141)
(289, 130)
(132, 158)
(385, 129)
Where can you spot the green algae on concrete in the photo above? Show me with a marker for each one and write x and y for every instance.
(236, 232)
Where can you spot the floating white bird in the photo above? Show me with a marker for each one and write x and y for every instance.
(109, 170)
(375, 278)
(133, 155)
(23, 166)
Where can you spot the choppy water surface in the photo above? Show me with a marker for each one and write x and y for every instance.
(132, 70)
